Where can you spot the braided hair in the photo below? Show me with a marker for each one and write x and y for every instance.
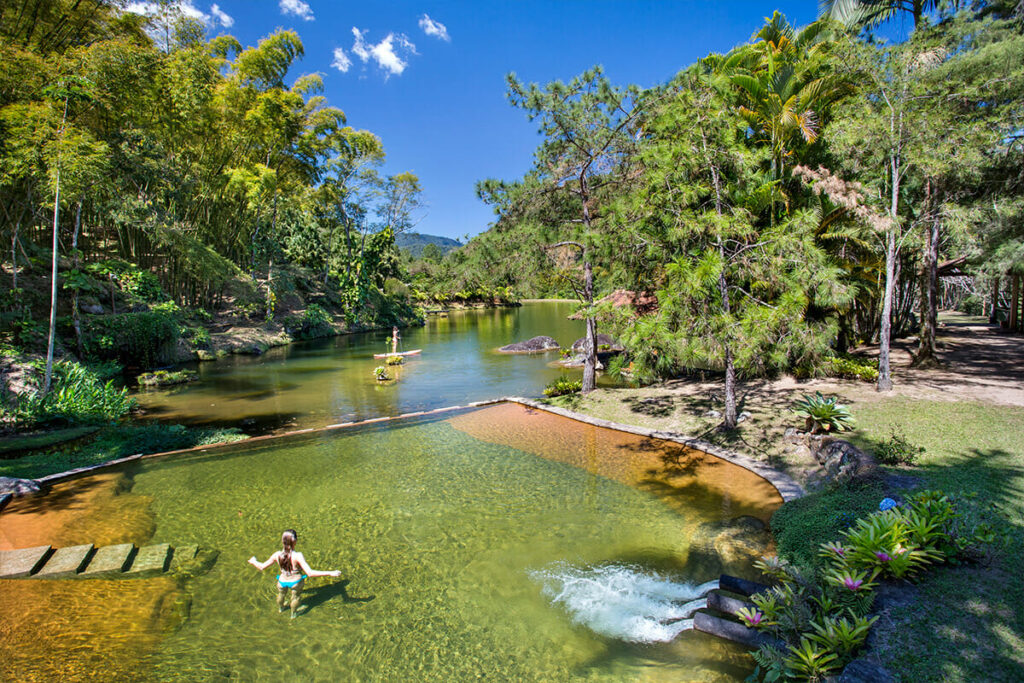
(284, 559)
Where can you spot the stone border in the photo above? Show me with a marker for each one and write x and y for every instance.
(783, 483)
(787, 488)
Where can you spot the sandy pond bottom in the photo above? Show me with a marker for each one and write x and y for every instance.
(569, 556)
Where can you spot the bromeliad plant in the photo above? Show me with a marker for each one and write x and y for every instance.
(820, 618)
(823, 414)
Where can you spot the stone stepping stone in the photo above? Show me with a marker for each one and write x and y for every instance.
(110, 559)
(65, 562)
(183, 555)
(151, 559)
(15, 564)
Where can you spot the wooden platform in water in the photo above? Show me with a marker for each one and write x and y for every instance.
(108, 562)
(414, 352)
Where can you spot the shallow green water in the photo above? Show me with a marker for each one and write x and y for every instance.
(326, 381)
(436, 534)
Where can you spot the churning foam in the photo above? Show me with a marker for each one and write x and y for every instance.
(623, 601)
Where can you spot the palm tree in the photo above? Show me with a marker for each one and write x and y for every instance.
(776, 76)
(865, 13)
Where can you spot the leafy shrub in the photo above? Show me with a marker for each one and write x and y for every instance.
(851, 367)
(380, 373)
(133, 339)
(562, 385)
(394, 360)
(76, 395)
(897, 449)
(130, 279)
(314, 322)
(199, 336)
(162, 378)
(823, 414)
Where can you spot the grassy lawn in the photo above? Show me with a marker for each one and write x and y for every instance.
(964, 623)
(110, 443)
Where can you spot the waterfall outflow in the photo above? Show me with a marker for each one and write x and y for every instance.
(622, 601)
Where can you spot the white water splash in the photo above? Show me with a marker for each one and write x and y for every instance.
(624, 602)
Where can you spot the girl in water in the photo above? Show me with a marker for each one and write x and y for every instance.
(294, 571)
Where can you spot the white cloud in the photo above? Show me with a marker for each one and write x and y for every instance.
(221, 16)
(341, 60)
(388, 53)
(186, 8)
(298, 8)
(434, 28)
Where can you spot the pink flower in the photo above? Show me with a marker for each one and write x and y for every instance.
(837, 549)
(753, 619)
(852, 583)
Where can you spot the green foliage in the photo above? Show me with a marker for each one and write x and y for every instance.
(314, 322)
(77, 395)
(138, 284)
(394, 360)
(851, 367)
(199, 336)
(163, 378)
(133, 339)
(562, 385)
(897, 449)
(380, 373)
(823, 414)
(114, 442)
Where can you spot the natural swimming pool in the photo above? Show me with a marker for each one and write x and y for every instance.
(500, 543)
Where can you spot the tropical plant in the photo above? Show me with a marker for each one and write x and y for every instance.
(823, 414)
(810, 660)
(380, 373)
(562, 385)
(394, 360)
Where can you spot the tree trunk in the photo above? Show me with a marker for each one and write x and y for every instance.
(926, 352)
(1014, 303)
(75, 315)
(48, 377)
(992, 318)
(590, 345)
(884, 371)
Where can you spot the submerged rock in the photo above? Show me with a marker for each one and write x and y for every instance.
(535, 345)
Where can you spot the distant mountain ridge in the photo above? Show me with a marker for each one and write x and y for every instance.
(413, 242)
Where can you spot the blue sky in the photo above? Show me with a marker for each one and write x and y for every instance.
(440, 108)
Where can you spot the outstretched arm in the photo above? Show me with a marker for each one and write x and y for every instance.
(263, 565)
(314, 572)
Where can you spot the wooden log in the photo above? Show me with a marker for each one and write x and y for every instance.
(66, 562)
(150, 560)
(15, 564)
(735, 584)
(731, 630)
(109, 560)
(727, 604)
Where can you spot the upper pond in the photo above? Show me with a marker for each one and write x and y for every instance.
(327, 381)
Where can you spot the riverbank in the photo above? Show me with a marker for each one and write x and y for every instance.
(958, 623)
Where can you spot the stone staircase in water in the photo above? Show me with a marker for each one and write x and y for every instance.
(106, 562)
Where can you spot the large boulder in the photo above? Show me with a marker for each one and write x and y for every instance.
(536, 345)
(841, 460)
(604, 343)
